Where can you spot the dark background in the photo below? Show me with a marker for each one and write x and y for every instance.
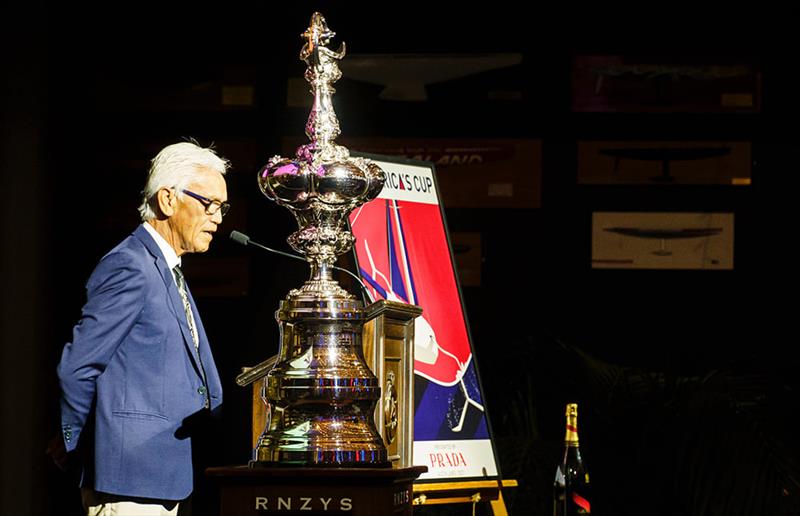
(685, 379)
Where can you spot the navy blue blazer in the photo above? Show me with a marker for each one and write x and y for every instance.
(132, 370)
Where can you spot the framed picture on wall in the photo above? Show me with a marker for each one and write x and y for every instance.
(662, 240)
(647, 162)
(659, 84)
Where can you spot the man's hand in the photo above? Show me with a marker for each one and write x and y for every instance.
(56, 450)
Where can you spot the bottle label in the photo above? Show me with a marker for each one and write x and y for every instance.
(571, 437)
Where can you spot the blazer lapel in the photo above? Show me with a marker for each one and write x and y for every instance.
(211, 375)
(180, 314)
(176, 303)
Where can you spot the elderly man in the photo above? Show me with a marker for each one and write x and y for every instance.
(139, 363)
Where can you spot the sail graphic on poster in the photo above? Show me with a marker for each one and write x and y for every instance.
(403, 254)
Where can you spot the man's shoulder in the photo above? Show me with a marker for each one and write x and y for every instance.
(131, 254)
(129, 249)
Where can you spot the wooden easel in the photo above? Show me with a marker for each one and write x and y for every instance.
(474, 492)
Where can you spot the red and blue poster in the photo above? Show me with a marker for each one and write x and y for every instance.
(403, 254)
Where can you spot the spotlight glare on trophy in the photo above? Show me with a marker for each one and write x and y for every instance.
(321, 393)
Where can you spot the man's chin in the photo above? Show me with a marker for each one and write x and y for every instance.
(203, 245)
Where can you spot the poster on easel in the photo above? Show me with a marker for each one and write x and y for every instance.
(403, 253)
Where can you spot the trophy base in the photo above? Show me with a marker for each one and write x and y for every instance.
(332, 439)
(374, 457)
(286, 462)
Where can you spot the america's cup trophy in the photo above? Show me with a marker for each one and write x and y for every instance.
(321, 393)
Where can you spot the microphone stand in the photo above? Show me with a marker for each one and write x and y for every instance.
(241, 238)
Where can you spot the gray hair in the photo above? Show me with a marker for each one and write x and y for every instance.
(175, 167)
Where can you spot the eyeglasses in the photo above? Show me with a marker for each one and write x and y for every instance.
(212, 206)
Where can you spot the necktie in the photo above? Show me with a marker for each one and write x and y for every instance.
(181, 282)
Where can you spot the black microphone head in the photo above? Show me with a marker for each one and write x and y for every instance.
(240, 238)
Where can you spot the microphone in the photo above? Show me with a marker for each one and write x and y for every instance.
(241, 238)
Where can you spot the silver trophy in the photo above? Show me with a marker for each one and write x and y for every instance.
(321, 394)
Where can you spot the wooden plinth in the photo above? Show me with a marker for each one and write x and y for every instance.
(246, 491)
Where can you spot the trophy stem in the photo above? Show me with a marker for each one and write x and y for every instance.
(321, 272)
(320, 286)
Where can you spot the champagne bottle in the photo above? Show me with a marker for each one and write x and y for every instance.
(571, 487)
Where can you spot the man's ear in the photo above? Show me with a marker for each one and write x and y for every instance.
(167, 201)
